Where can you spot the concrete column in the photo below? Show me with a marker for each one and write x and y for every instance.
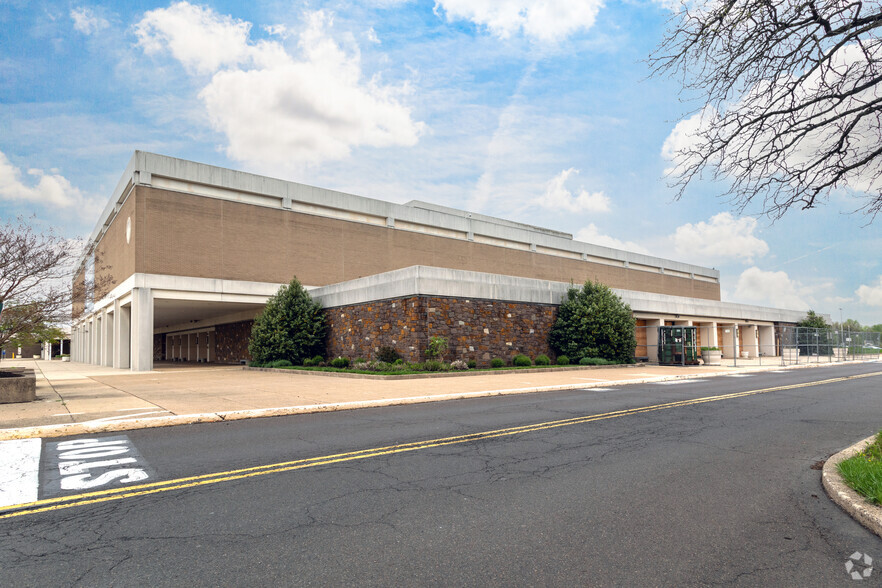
(122, 323)
(652, 338)
(728, 344)
(142, 329)
(749, 341)
(107, 324)
(767, 340)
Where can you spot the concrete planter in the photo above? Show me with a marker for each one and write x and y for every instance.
(20, 386)
(712, 357)
(65, 358)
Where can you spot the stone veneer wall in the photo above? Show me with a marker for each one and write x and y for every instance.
(231, 342)
(475, 329)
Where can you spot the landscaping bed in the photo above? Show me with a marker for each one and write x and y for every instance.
(863, 472)
(414, 375)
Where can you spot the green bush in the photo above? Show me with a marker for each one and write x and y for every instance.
(291, 326)
(255, 364)
(340, 362)
(433, 365)
(459, 365)
(595, 361)
(563, 360)
(387, 354)
(542, 359)
(496, 362)
(278, 363)
(417, 366)
(594, 322)
(437, 348)
(398, 361)
(521, 360)
(359, 360)
(472, 364)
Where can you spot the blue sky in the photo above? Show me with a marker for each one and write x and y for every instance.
(535, 112)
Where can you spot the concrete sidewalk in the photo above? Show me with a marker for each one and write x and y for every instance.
(99, 398)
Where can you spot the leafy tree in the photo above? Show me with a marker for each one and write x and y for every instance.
(813, 320)
(594, 322)
(791, 93)
(815, 337)
(36, 269)
(291, 326)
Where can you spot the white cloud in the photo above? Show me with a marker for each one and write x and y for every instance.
(723, 238)
(47, 189)
(591, 234)
(776, 289)
(277, 110)
(202, 40)
(86, 21)
(547, 21)
(278, 30)
(870, 295)
(558, 198)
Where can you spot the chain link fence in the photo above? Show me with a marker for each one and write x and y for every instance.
(743, 345)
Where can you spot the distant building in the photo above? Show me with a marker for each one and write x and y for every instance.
(185, 255)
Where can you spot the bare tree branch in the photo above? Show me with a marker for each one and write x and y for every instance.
(793, 103)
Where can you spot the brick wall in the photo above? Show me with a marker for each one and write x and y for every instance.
(474, 329)
(231, 342)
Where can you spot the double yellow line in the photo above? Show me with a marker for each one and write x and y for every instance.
(70, 501)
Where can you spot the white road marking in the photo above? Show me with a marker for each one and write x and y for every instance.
(19, 471)
(600, 389)
(674, 382)
(124, 417)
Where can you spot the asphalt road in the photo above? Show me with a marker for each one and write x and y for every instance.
(707, 486)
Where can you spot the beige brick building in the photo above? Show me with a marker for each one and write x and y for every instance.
(185, 255)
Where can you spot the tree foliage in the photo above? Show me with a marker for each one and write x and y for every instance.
(594, 322)
(291, 326)
(792, 99)
(36, 269)
(814, 321)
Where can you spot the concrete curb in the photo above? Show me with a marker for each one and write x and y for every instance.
(87, 428)
(850, 501)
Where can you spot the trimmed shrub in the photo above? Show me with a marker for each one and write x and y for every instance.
(459, 365)
(472, 364)
(279, 363)
(399, 361)
(255, 364)
(417, 366)
(594, 322)
(521, 360)
(291, 327)
(340, 362)
(496, 362)
(542, 359)
(359, 360)
(387, 354)
(595, 361)
(563, 360)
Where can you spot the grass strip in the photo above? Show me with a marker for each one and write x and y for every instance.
(863, 472)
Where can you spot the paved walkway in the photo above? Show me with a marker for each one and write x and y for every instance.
(79, 393)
